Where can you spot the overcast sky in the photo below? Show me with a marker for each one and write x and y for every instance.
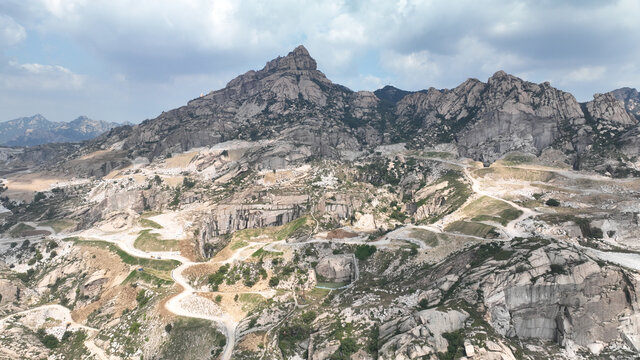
(130, 60)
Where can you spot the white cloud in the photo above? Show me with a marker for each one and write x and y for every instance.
(585, 74)
(11, 32)
(38, 77)
(170, 51)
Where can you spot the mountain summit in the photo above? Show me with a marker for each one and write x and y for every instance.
(298, 59)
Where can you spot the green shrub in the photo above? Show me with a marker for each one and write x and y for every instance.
(557, 269)
(39, 196)
(188, 183)
(309, 316)
(347, 347)
(49, 341)
(455, 341)
(423, 304)
(364, 251)
(141, 298)
(552, 202)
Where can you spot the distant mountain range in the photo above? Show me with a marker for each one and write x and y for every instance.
(37, 130)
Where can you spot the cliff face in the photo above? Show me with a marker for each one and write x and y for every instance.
(290, 101)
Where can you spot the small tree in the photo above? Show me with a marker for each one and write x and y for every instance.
(552, 202)
(39, 196)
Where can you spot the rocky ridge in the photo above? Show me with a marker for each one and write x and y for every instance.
(289, 100)
(37, 130)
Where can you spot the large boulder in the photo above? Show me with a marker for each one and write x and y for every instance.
(336, 268)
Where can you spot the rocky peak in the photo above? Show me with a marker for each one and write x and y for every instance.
(298, 59)
(297, 62)
(631, 99)
(606, 107)
(391, 94)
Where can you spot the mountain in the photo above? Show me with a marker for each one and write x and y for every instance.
(36, 130)
(292, 101)
(391, 94)
(288, 217)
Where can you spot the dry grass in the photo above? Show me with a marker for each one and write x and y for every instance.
(200, 270)
(473, 229)
(507, 173)
(24, 186)
(180, 160)
(340, 234)
(489, 209)
(59, 225)
(252, 341)
(428, 237)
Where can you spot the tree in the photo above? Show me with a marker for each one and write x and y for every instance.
(364, 251)
(39, 196)
(552, 202)
(168, 327)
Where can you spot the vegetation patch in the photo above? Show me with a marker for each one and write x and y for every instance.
(490, 251)
(193, 339)
(290, 229)
(159, 265)
(266, 253)
(517, 159)
(144, 222)
(473, 229)
(148, 241)
(489, 209)
(586, 229)
(290, 335)
(238, 244)
(428, 237)
(58, 225)
(364, 251)
(146, 277)
(457, 190)
(250, 302)
(21, 230)
(502, 172)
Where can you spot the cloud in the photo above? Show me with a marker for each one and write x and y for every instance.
(11, 32)
(38, 77)
(585, 74)
(153, 55)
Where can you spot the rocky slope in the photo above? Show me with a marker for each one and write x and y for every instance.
(37, 130)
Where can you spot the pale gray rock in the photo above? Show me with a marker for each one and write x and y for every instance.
(336, 268)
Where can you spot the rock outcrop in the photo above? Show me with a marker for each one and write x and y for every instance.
(419, 335)
(225, 219)
(336, 268)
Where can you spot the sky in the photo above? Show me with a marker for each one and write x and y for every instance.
(122, 61)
